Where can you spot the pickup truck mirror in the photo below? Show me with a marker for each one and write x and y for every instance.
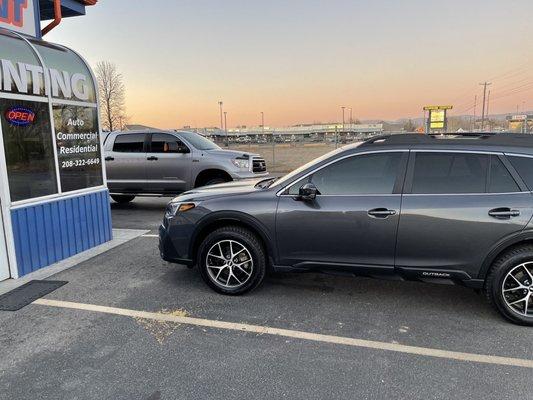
(175, 147)
(183, 149)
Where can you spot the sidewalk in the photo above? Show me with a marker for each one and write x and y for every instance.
(120, 236)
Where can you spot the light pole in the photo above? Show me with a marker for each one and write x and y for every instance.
(351, 120)
(343, 128)
(226, 127)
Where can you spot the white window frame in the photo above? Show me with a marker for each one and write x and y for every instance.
(51, 102)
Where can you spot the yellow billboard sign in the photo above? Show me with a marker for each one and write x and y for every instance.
(436, 119)
(433, 108)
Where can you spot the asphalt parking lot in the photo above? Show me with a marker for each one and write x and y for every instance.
(70, 353)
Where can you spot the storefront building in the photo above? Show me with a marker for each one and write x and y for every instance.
(53, 195)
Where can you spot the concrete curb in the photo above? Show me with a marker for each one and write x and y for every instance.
(120, 236)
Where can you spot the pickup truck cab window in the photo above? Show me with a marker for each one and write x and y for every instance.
(129, 143)
(165, 143)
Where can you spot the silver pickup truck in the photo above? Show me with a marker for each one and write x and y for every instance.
(169, 163)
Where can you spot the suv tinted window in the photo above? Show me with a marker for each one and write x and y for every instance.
(129, 143)
(448, 173)
(501, 180)
(164, 143)
(363, 174)
(524, 166)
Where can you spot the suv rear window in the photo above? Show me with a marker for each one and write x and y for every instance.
(501, 180)
(450, 173)
(524, 166)
(129, 143)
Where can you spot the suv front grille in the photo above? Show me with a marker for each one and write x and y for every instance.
(258, 165)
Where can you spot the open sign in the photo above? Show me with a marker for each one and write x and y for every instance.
(20, 116)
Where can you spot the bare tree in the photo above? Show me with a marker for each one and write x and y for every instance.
(112, 96)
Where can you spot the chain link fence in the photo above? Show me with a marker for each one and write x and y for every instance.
(284, 154)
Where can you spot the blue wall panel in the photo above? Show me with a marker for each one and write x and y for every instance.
(50, 232)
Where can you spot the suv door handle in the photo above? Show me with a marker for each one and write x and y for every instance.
(503, 213)
(109, 158)
(152, 158)
(381, 212)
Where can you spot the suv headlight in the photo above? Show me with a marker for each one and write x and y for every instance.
(242, 163)
(176, 207)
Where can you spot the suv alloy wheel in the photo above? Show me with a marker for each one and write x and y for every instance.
(509, 285)
(232, 260)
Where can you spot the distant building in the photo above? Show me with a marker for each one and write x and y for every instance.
(297, 131)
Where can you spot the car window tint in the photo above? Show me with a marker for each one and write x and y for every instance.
(129, 143)
(524, 166)
(501, 180)
(164, 143)
(449, 173)
(363, 174)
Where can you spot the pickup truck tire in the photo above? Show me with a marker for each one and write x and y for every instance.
(122, 198)
(215, 181)
(232, 250)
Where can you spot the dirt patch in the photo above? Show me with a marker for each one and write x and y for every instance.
(161, 330)
(287, 156)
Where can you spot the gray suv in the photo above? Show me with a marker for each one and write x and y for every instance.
(442, 209)
(168, 163)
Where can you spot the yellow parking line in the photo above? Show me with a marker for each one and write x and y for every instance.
(316, 337)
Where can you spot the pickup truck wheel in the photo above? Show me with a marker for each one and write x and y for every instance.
(122, 198)
(509, 285)
(214, 181)
(232, 260)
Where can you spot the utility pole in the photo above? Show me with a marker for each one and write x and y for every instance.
(226, 127)
(488, 115)
(475, 107)
(484, 84)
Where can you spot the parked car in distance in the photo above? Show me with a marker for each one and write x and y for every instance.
(442, 209)
(169, 163)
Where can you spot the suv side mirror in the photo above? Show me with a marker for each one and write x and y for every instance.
(308, 192)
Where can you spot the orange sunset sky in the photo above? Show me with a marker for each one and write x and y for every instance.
(299, 61)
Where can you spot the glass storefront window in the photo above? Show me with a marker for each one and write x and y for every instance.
(70, 77)
(13, 79)
(32, 167)
(78, 147)
(29, 151)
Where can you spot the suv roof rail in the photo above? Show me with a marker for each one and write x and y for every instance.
(418, 138)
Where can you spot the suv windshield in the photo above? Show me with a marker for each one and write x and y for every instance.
(198, 141)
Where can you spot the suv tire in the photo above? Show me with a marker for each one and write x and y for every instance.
(122, 198)
(235, 255)
(500, 274)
